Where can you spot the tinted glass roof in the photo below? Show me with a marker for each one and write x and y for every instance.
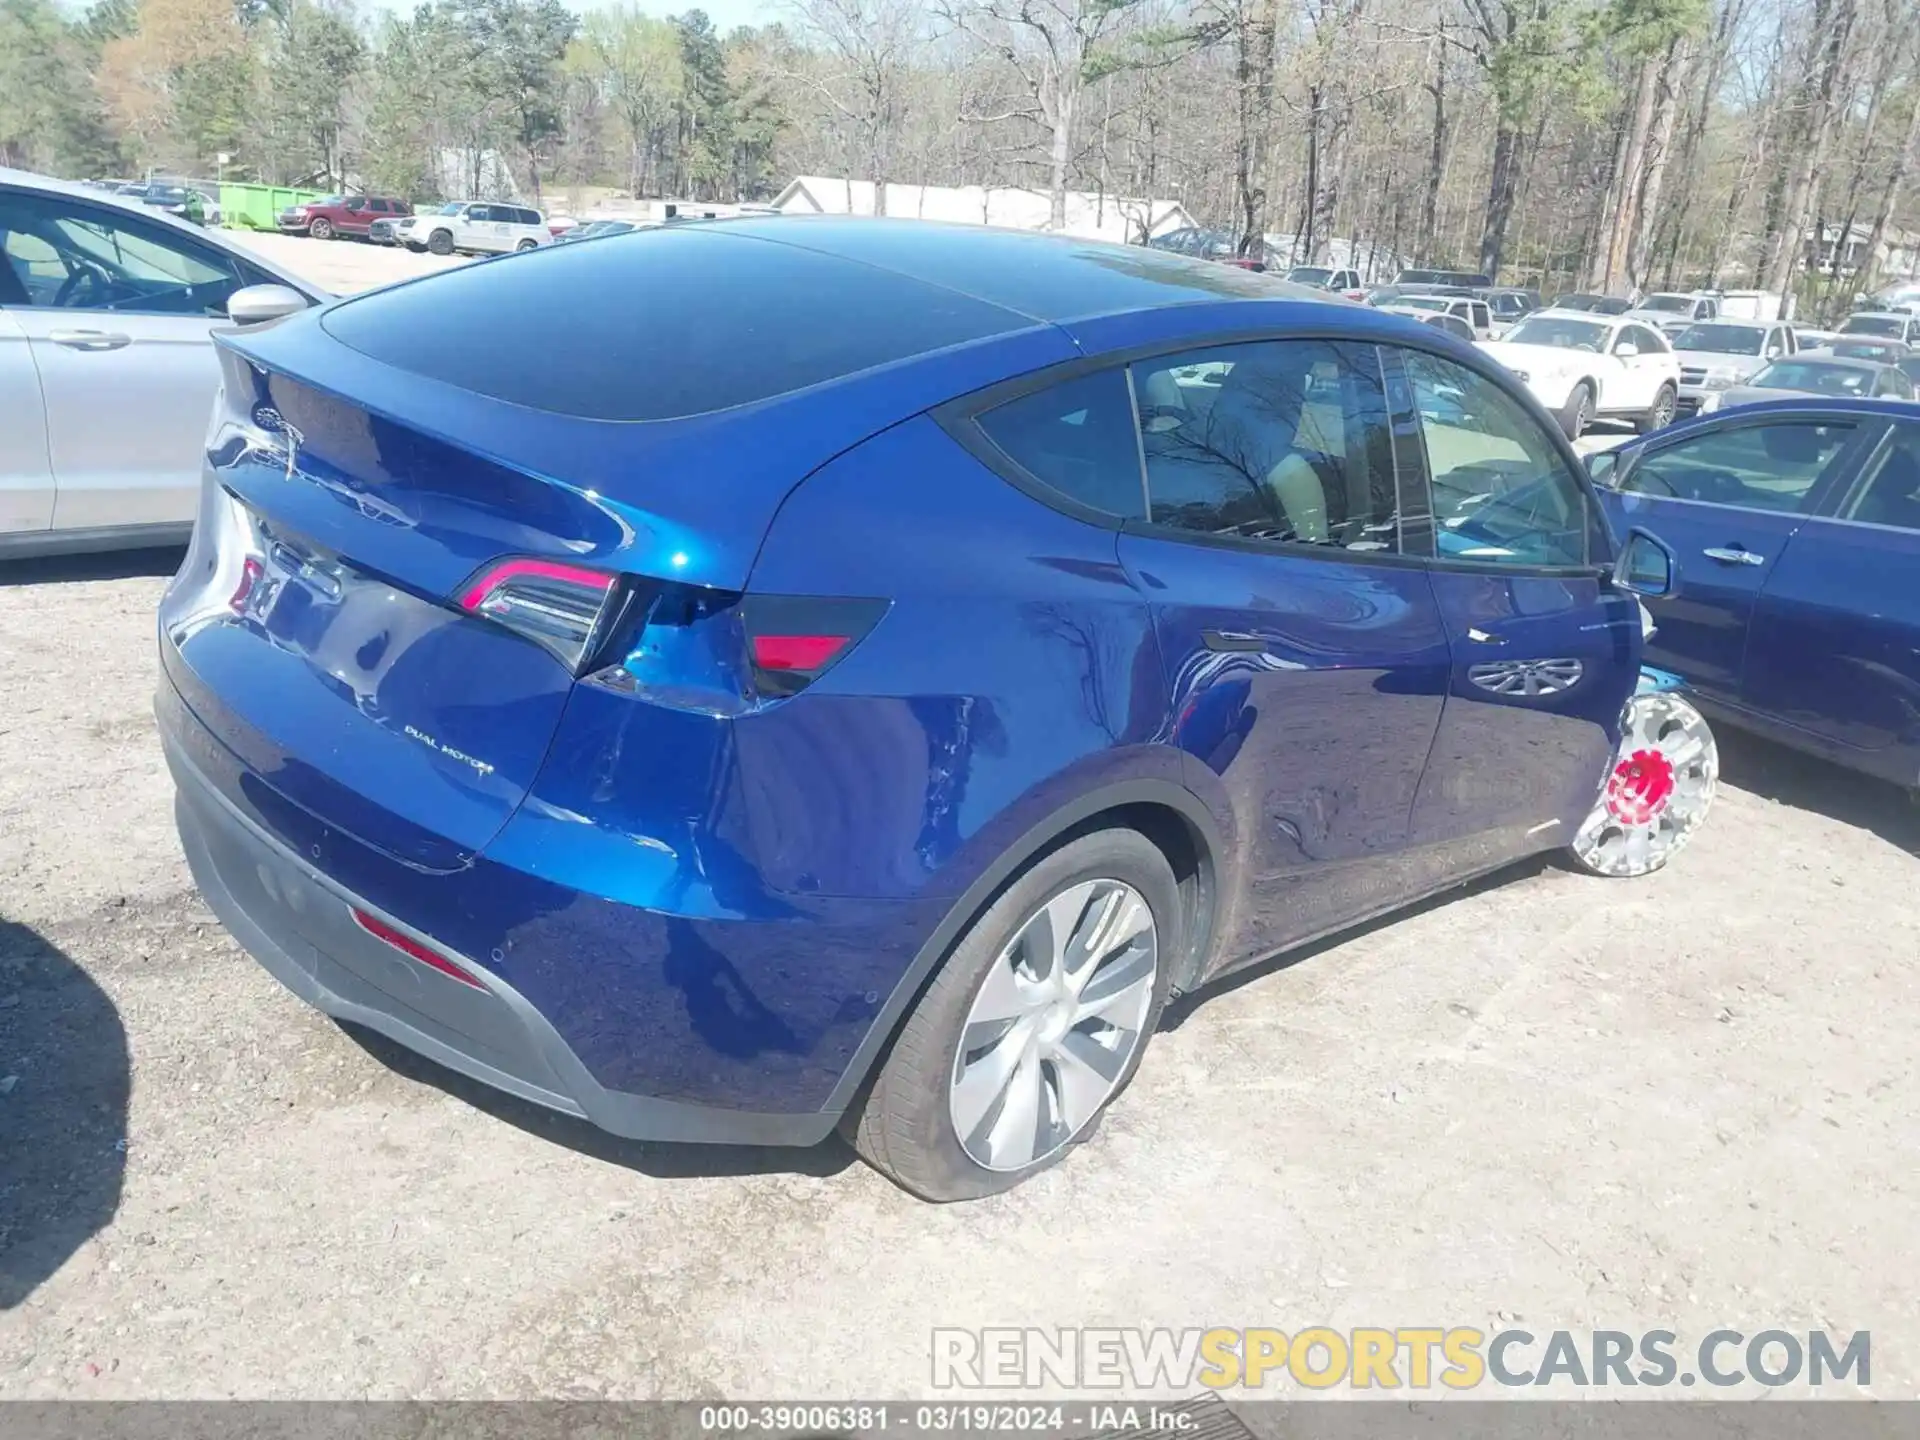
(658, 324)
(687, 319)
(1046, 277)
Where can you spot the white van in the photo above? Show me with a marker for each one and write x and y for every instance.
(474, 227)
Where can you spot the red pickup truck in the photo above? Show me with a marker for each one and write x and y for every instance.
(333, 215)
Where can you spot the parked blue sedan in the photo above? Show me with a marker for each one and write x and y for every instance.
(1797, 530)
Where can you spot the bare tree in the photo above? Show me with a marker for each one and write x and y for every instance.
(1055, 48)
(863, 52)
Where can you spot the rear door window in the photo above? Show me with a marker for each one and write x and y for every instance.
(1077, 439)
(1283, 441)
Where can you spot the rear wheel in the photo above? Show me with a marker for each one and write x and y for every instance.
(1578, 410)
(1035, 1022)
(440, 242)
(321, 228)
(1660, 414)
(1659, 790)
(528, 245)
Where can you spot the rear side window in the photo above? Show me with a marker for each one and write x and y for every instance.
(1285, 441)
(1076, 438)
(697, 320)
(528, 217)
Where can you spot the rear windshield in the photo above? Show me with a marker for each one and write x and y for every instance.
(1892, 326)
(1813, 376)
(1723, 339)
(659, 325)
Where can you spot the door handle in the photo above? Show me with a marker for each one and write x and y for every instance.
(89, 339)
(1733, 555)
(1233, 641)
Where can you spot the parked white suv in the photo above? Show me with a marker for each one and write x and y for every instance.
(474, 227)
(1581, 365)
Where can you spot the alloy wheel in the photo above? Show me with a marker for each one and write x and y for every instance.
(1659, 790)
(1055, 1024)
(1663, 404)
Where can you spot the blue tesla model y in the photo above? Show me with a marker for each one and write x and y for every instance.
(853, 672)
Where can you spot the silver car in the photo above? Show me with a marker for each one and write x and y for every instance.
(1717, 355)
(1819, 374)
(107, 370)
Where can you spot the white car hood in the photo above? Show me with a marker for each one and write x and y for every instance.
(1722, 362)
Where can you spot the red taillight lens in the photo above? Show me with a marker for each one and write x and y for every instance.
(796, 652)
(793, 640)
(561, 607)
(250, 574)
(412, 948)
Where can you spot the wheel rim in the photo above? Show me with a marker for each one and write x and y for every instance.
(1663, 409)
(1580, 413)
(1659, 789)
(1056, 1021)
(321, 230)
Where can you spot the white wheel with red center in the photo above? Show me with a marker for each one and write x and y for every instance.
(1659, 790)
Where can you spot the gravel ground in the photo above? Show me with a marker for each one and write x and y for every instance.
(1685, 1102)
(343, 266)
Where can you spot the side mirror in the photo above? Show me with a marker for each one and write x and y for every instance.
(257, 304)
(1601, 465)
(1645, 565)
(1629, 348)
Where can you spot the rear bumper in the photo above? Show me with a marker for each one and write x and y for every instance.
(299, 924)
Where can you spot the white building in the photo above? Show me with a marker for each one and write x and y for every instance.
(1121, 219)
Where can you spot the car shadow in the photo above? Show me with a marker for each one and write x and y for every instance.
(1807, 782)
(64, 1081)
(1181, 1008)
(658, 1159)
(160, 562)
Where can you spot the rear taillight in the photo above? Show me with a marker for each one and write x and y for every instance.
(412, 948)
(563, 608)
(722, 653)
(792, 640)
(250, 573)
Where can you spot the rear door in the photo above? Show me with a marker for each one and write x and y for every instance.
(1641, 372)
(1729, 498)
(1543, 650)
(26, 474)
(1306, 660)
(119, 321)
(1835, 636)
(499, 227)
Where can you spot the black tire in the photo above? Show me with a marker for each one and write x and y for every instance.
(1660, 414)
(1578, 410)
(528, 245)
(902, 1125)
(320, 229)
(440, 242)
(416, 247)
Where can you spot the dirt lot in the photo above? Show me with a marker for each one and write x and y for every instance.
(1559, 1102)
(343, 266)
